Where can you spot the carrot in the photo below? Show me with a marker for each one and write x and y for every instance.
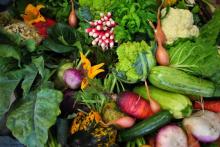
(208, 105)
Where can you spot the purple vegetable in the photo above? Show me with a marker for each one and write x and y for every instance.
(73, 78)
(171, 136)
(204, 125)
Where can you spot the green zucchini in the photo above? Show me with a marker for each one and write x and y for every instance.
(146, 126)
(174, 80)
(179, 105)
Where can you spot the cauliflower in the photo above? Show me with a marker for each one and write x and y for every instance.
(135, 61)
(178, 23)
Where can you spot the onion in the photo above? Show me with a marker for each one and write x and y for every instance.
(72, 17)
(73, 78)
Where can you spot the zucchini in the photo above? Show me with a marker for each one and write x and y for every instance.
(146, 126)
(179, 105)
(174, 80)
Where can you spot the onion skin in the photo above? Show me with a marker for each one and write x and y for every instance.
(73, 78)
(162, 56)
(134, 105)
(72, 17)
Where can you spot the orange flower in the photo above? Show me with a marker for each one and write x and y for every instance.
(91, 71)
(32, 14)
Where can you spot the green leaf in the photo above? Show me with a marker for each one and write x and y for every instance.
(30, 73)
(8, 83)
(39, 63)
(56, 47)
(30, 122)
(84, 13)
(9, 51)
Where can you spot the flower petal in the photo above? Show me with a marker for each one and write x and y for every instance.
(84, 83)
(92, 74)
(39, 6)
(85, 62)
(32, 14)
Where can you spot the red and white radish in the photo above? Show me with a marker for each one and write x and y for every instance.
(134, 105)
(204, 125)
(103, 30)
(171, 136)
(73, 78)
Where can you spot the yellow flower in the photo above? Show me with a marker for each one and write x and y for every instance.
(32, 14)
(169, 2)
(91, 71)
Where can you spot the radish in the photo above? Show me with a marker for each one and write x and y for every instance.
(73, 78)
(204, 125)
(171, 136)
(134, 105)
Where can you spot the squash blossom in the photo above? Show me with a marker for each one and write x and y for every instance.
(32, 14)
(91, 71)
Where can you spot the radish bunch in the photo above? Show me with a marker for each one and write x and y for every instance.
(102, 31)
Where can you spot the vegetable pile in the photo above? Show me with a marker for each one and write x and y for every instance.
(106, 73)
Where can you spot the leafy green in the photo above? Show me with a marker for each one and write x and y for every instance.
(211, 30)
(30, 73)
(62, 39)
(8, 83)
(96, 5)
(9, 51)
(199, 57)
(30, 122)
(132, 17)
(93, 96)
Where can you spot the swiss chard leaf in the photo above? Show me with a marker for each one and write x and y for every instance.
(30, 121)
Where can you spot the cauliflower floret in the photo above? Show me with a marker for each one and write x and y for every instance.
(178, 23)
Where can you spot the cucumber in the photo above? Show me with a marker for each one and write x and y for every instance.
(146, 126)
(174, 80)
(179, 105)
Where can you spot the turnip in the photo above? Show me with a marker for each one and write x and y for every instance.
(204, 125)
(134, 105)
(73, 78)
(171, 136)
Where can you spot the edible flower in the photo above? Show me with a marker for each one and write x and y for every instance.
(91, 71)
(32, 14)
